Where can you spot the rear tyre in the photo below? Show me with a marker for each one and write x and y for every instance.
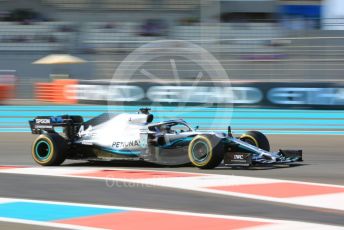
(205, 152)
(257, 139)
(49, 149)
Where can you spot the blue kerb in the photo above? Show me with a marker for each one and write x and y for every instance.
(49, 212)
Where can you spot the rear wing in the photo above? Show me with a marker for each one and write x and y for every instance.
(46, 124)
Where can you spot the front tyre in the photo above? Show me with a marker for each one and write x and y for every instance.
(257, 139)
(205, 152)
(49, 149)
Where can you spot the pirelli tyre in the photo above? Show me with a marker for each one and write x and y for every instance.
(49, 149)
(206, 151)
(257, 139)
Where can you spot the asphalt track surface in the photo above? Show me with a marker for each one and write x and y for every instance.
(324, 163)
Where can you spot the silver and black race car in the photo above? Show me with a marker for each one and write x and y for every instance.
(125, 136)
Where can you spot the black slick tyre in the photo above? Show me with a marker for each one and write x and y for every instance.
(257, 139)
(206, 151)
(49, 149)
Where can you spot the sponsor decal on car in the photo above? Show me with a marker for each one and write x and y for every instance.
(42, 121)
(232, 158)
(238, 157)
(122, 144)
(43, 127)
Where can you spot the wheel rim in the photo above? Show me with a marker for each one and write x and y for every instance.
(200, 151)
(249, 141)
(42, 150)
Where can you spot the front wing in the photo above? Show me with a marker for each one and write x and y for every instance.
(253, 155)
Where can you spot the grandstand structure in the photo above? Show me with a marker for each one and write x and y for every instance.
(105, 5)
(121, 25)
(118, 24)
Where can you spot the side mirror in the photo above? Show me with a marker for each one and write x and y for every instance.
(229, 131)
(197, 127)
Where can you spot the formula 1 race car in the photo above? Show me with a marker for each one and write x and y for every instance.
(127, 136)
